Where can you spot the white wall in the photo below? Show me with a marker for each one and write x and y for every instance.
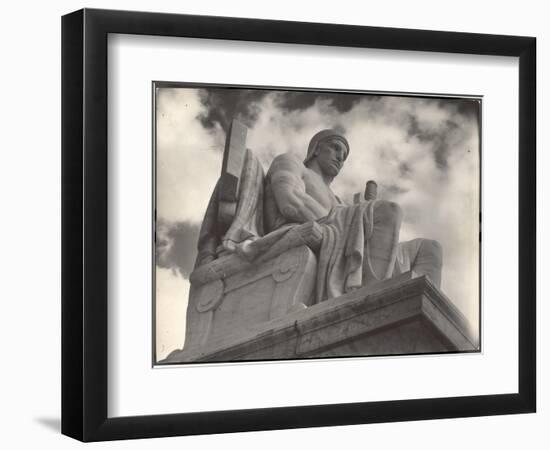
(30, 290)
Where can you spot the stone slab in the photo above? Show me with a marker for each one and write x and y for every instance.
(406, 314)
(233, 161)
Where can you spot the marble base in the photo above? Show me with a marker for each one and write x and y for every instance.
(406, 314)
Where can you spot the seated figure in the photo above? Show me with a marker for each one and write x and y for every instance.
(269, 245)
(360, 242)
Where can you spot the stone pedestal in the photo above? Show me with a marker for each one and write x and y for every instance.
(235, 296)
(403, 315)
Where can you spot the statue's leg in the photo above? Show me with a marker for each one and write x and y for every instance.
(426, 258)
(382, 246)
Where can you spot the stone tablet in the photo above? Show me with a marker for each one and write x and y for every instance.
(233, 161)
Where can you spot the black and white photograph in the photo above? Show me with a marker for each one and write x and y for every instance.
(294, 223)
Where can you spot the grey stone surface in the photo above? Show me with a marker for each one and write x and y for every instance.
(227, 303)
(403, 315)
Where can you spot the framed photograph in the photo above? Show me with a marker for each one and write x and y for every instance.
(276, 225)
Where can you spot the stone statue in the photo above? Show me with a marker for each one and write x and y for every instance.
(359, 242)
(273, 245)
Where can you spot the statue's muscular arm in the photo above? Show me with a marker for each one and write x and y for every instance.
(289, 190)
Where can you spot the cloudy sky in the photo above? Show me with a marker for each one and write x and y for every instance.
(423, 153)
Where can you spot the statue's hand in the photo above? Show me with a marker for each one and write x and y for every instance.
(244, 249)
(229, 246)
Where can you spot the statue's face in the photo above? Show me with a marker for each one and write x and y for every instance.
(331, 154)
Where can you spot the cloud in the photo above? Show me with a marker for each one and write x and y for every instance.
(222, 105)
(187, 155)
(278, 130)
(172, 291)
(299, 101)
(177, 245)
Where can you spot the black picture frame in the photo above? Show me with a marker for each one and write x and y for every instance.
(84, 224)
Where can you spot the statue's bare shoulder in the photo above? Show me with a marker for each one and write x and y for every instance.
(298, 199)
(286, 164)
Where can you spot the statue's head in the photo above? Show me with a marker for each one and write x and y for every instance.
(329, 149)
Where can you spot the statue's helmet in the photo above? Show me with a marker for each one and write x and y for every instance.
(321, 136)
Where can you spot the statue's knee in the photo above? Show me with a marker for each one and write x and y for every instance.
(433, 248)
(387, 211)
